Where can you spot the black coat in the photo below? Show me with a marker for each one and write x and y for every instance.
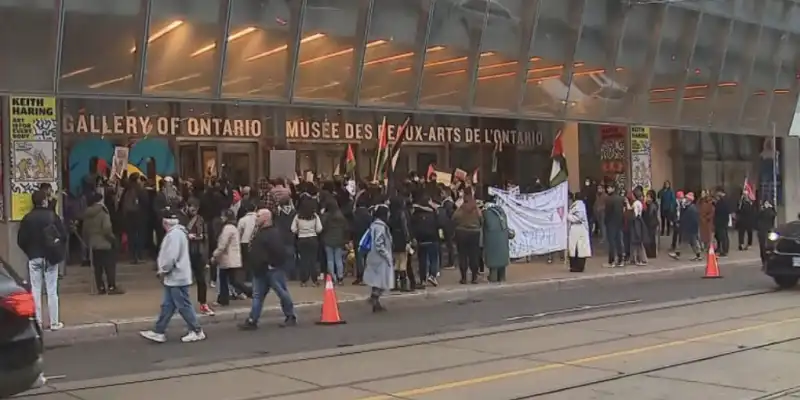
(29, 236)
(267, 250)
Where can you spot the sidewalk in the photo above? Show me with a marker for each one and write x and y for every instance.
(103, 316)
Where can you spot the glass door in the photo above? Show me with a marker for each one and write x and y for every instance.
(237, 163)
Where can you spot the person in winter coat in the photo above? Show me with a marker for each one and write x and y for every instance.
(268, 263)
(650, 215)
(705, 207)
(282, 219)
(722, 218)
(689, 226)
(669, 204)
(248, 202)
(765, 223)
(228, 258)
(134, 206)
(496, 236)
(579, 239)
(307, 226)
(400, 230)
(614, 222)
(676, 220)
(638, 233)
(445, 212)
(335, 236)
(599, 224)
(198, 253)
(425, 230)
(362, 219)
(99, 237)
(379, 270)
(745, 221)
(246, 228)
(468, 221)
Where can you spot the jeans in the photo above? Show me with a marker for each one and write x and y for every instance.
(176, 298)
(615, 249)
(428, 254)
(40, 270)
(104, 263)
(334, 256)
(227, 279)
(274, 279)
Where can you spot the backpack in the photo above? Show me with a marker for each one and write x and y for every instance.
(130, 202)
(426, 225)
(53, 242)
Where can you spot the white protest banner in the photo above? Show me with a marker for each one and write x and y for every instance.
(120, 162)
(538, 219)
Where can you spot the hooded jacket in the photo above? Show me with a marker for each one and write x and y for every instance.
(173, 258)
(97, 231)
(282, 219)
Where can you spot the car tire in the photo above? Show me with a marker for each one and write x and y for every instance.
(786, 282)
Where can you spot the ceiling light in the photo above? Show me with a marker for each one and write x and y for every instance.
(231, 37)
(339, 53)
(169, 82)
(165, 30)
(110, 81)
(285, 47)
(76, 72)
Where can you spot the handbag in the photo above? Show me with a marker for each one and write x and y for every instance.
(365, 243)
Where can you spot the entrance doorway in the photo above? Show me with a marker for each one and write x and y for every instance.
(236, 162)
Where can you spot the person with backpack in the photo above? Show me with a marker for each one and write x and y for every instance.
(268, 261)
(43, 238)
(425, 230)
(99, 237)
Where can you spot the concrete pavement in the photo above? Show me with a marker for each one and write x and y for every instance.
(90, 317)
(741, 346)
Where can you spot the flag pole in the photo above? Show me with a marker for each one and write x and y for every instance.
(774, 171)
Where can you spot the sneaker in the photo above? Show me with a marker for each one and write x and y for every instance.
(115, 290)
(213, 284)
(101, 291)
(206, 310)
(241, 296)
(433, 281)
(153, 336)
(194, 337)
(288, 322)
(673, 255)
(248, 325)
(56, 326)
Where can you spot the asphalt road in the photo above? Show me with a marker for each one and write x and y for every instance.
(412, 318)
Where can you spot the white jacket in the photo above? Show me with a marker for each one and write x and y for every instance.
(247, 226)
(304, 228)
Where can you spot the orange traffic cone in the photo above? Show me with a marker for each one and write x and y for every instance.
(330, 306)
(712, 267)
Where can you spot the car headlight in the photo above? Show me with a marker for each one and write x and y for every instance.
(772, 236)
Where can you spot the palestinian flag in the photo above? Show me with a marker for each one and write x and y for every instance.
(348, 160)
(498, 148)
(558, 173)
(398, 142)
(382, 151)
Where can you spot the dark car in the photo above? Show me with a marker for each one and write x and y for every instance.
(20, 336)
(783, 255)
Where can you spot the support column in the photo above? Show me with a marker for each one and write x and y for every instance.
(572, 151)
(791, 180)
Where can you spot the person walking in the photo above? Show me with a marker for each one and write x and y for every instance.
(614, 221)
(495, 242)
(247, 228)
(99, 237)
(362, 219)
(669, 204)
(307, 226)
(379, 271)
(198, 253)
(282, 219)
(425, 230)
(722, 221)
(268, 261)
(228, 258)
(638, 233)
(705, 207)
(334, 238)
(745, 221)
(468, 222)
(689, 225)
(175, 271)
(43, 237)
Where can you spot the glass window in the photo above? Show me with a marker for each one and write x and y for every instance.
(677, 39)
(735, 71)
(592, 84)
(29, 64)
(786, 88)
(497, 75)
(99, 46)
(777, 13)
(402, 25)
(772, 48)
(256, 65)
(703, 71)
(456, 29)
(182, 47)
(324, 64)
(634, 63)
(551, 50)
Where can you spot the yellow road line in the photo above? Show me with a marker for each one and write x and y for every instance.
(586, 360)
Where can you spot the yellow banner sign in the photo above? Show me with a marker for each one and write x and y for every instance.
(164, 126)
(32, 117)
(356, 132)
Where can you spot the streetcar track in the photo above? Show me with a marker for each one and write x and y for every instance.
(779, 394)
(661, 368)
(55, 390)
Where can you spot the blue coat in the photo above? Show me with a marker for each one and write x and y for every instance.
(495, 237)
(690, 221)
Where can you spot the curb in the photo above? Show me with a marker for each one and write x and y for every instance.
(118, 327)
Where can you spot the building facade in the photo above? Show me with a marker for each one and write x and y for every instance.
(196, 87)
